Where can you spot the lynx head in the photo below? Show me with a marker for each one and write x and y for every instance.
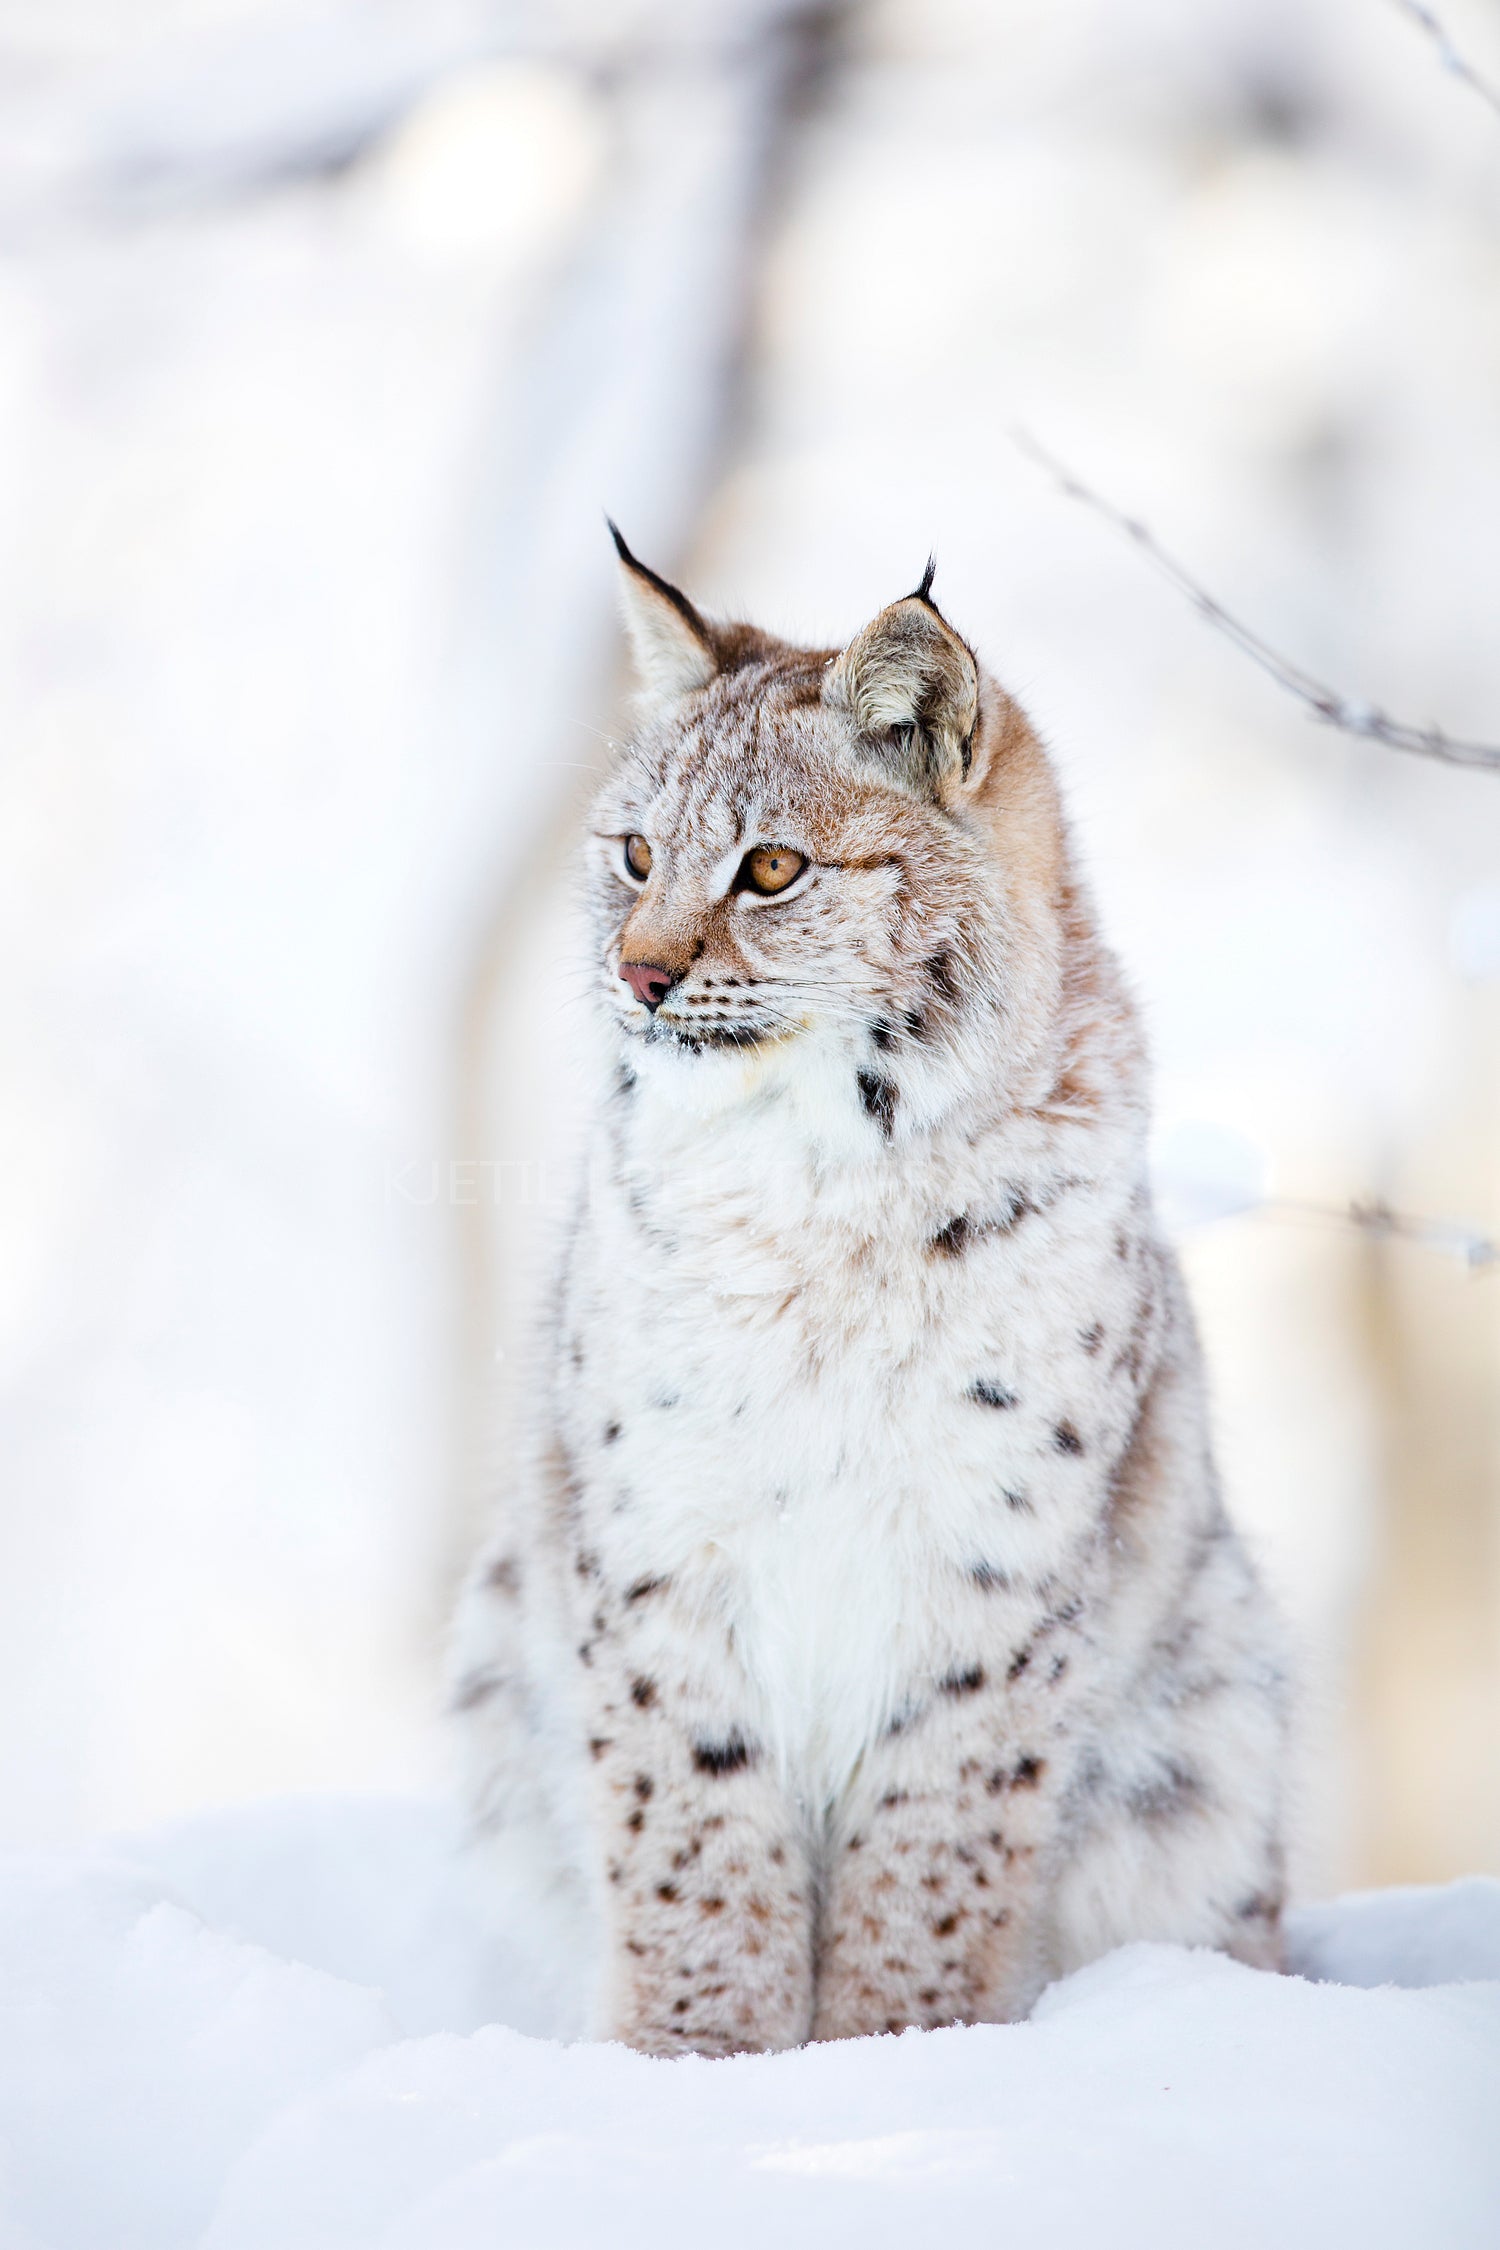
(854, 854)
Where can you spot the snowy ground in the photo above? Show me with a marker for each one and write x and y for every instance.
(277, 2028)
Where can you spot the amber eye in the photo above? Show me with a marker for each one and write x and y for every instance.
(770, 868)
(638, 857)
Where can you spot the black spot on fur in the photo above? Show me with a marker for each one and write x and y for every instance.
(474, 1689)
(504, 1576)
(989, 1578)
(624, 1082)
(637, 1821)
(667, 1893)
(611, 1432)
(987, 1393)
(1174, 1790)
(939, 973)
(953, 1240)
(1018, 1664)
(893, 1798)
(643, 1693)
(598, 1744)
(644, 1586)
(728, 1756)
(879, 1098)
(967, 1682)
(1024, 1774)
(644, 1787)
(961, 1233)
(882, 1037)
(1018, 1503)
(1066, 1438)
(1091, 1338)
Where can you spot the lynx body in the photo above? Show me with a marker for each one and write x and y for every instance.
(864, 1642)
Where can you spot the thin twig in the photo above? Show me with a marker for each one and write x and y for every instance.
(1323, 703)
(1453, 59)
(1479, 1252)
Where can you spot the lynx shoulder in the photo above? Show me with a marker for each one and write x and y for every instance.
(864, 1641)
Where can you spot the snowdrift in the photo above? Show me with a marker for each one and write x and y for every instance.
(280, 2029)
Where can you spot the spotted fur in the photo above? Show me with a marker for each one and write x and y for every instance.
(865, 1641)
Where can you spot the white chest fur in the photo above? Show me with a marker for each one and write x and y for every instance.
(814, 1415)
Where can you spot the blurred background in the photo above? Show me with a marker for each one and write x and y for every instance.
(328, 329)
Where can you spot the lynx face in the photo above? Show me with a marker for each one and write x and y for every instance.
(803, 843)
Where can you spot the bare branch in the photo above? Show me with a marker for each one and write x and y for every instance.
(1452, 58)
(1479, 1252)
(1322, 702)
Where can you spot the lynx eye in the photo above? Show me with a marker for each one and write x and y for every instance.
(638, 857)
(770, 868)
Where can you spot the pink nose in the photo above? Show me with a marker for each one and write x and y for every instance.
(648, 982)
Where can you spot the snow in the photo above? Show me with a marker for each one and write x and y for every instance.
(279, 2027)
(1412, 1936)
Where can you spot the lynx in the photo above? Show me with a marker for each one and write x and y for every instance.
(865, 1642)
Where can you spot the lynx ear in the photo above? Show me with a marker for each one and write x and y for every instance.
(913, 688)
(673, 647)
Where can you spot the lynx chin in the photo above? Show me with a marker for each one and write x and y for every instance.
(864, 1642)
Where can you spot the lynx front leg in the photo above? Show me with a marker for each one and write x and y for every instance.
(708, 1890)
(930, 1912)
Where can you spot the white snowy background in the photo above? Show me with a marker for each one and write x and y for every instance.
(328, 328)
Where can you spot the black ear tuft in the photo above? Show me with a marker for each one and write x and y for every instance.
(675, 650)
(923, 592)
(658, 584)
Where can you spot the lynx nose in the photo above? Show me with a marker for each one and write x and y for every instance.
(648, 982)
